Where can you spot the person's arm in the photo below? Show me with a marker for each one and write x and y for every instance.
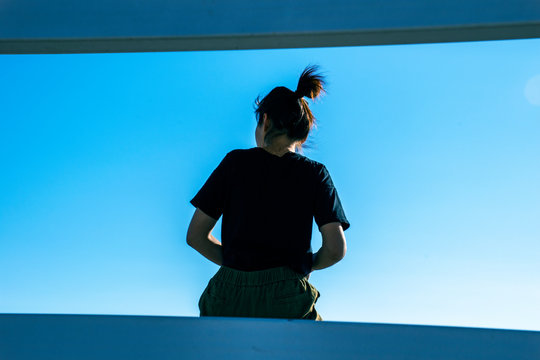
(199, 236)
(333, 247)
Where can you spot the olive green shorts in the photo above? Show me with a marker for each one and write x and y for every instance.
(273, 293)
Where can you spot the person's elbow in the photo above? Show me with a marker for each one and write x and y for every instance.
(193, 235)
(190, 239)
(337, 251)
(199, 228)
(334, 240)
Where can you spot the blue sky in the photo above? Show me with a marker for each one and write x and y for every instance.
(434, 150)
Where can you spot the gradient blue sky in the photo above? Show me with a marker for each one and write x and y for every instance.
(434, 150)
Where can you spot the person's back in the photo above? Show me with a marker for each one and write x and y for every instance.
(268, 196)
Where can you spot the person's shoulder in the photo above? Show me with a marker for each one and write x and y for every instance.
(316, 167)
(303, 158)
(235, 153)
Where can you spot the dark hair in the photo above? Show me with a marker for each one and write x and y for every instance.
(288, 111)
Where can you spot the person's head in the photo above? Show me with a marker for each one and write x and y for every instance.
(285, 112)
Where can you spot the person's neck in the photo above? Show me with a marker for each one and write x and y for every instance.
(279, 150)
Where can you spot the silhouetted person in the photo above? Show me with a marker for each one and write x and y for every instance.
(268, 196)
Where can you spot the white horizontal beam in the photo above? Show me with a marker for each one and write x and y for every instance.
(73, 26)
(81, 337)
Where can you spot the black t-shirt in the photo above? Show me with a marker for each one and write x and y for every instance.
(268, 204)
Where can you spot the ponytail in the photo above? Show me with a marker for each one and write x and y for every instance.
(310, 84)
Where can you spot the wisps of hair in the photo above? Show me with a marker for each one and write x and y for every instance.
(310, 83)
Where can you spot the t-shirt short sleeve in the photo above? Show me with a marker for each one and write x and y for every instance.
(211, 197)
(328, 206)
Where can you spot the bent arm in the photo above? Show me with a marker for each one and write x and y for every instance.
(199, 236)
(333, 247)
